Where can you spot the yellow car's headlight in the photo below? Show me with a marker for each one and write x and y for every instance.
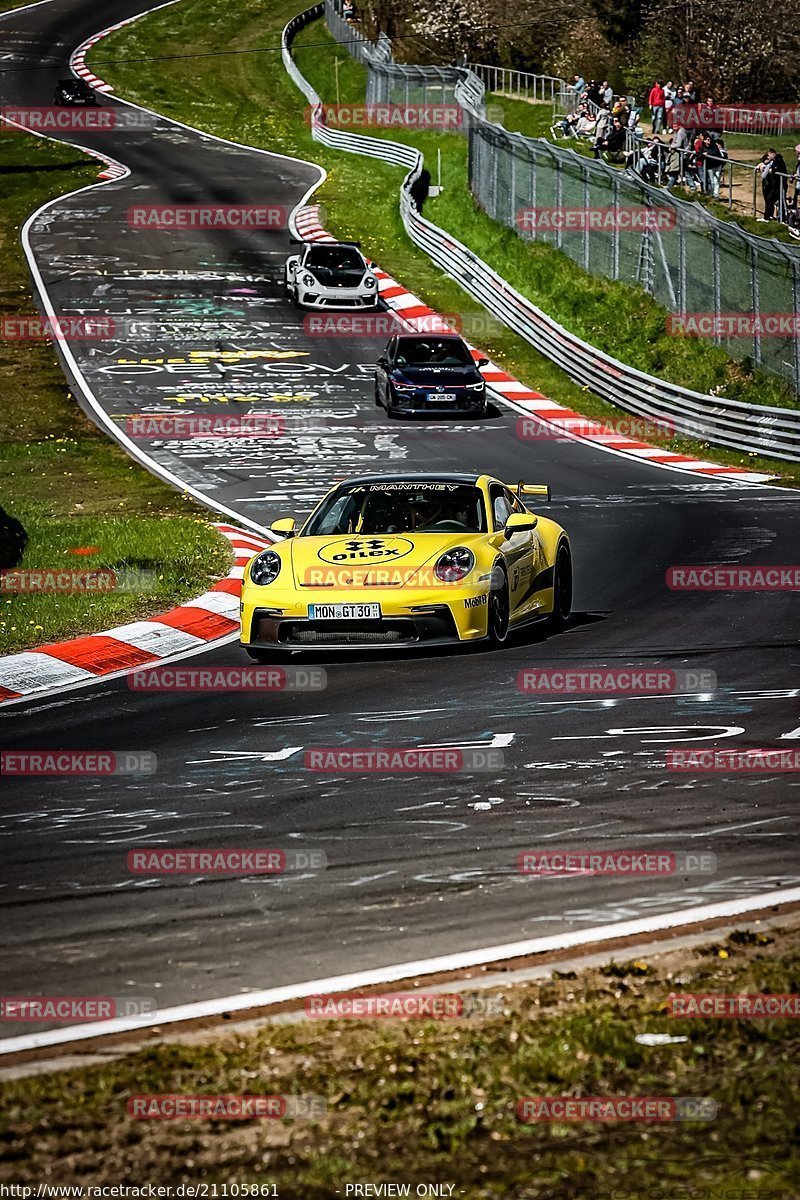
(266, 568)
(454, 565)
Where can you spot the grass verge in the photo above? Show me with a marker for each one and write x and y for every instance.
(247, 97)
(422, 1101)
(73, 489)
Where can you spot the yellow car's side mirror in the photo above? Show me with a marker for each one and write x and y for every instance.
(285, 527)
(519, 523)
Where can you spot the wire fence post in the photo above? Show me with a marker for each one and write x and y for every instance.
(559, 189)
(756, 304)
(512, 186)
(716, 284)
(586, 204)
(532, 221)
(615, 231)
(681, 263)
(796, 306)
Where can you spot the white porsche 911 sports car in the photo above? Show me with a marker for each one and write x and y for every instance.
(331, 275)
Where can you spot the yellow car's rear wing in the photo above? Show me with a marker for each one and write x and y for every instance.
(530, 489)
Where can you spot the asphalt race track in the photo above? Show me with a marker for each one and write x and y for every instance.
(417, 865)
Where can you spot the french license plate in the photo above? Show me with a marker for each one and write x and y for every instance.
(344, 612)
(444, 396)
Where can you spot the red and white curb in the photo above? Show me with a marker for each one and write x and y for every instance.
(569, 423)
(183, 630)
(77, 60)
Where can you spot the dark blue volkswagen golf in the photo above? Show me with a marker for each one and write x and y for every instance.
(420, 374)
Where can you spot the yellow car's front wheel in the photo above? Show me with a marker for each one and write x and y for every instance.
(562, 588)
(499, 608)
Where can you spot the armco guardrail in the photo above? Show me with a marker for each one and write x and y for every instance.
(774, 432)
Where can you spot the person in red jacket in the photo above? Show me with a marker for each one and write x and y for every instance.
(656, 104)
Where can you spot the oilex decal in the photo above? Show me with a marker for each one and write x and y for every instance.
(359, 551)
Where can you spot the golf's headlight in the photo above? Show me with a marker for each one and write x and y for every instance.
(266, 568)
(308, 280)
(454, 565)
(476, 387)
(404, 387)
(370, 281)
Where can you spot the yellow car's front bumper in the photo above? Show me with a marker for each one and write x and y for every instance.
(278, 617)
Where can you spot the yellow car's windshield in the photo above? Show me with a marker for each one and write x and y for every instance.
(401, 507)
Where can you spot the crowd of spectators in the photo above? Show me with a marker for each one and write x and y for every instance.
(674, 153)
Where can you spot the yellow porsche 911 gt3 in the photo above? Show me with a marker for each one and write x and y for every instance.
(408, 560)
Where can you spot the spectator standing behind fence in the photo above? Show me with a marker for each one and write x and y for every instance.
(655, 102)
(714, 157)
(690, 92)
(613, 143)
(773, 184)
(577, 86)
(604, 123)
(606, 94)
(622, 110)
(669, 102)
(677, 105)
(674, 160)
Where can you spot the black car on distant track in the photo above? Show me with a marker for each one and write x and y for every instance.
(72, 92)
(422, 373)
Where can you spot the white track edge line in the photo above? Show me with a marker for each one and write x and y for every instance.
(406, 970)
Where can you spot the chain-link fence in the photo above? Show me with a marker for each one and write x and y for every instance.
(701, 269)
(714, 278)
